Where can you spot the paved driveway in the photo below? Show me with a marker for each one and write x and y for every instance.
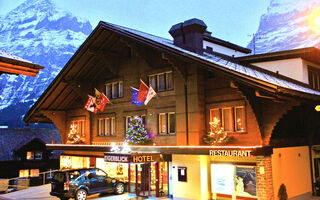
(42, 192)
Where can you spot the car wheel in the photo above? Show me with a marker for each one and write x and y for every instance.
(119, 188)
(81, 194)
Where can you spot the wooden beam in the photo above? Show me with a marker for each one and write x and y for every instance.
(19, 67)
(16, 71)
(177, 64)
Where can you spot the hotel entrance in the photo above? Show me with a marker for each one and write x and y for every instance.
(149, 179)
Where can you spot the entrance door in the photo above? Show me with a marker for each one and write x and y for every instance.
(145, 174)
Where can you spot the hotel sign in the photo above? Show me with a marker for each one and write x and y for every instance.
(133, 158)
(146, 158)
(230, 152)
(120, 158)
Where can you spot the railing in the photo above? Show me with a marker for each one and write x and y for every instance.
(20, 183)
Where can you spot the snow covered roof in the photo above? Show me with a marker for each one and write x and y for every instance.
(15, 65)
(10, 56)
(225, 64)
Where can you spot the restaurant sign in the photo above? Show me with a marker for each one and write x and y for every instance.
(232, 152)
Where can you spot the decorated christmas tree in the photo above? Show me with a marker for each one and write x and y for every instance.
(73, 136)
(136, 133)
(216, 135)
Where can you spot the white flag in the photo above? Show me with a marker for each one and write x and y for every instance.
(90, 105)
(150, 95)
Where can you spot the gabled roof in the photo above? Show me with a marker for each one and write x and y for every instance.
(11, 64)
(78, 66)
(12, 139)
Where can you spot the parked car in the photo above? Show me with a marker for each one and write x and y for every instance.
(79, 183)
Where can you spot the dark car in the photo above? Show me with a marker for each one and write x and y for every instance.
(79, 183)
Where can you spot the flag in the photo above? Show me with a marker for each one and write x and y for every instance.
(143, 91)
(90, 105)
(101, 100)
(135, 97)
(150, 95)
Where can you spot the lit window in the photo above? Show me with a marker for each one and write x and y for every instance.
(114, 90)
(106, 126)
(30, 155)
(162, 81)
(23, 173)
(34, 172)
(129, 118)
(38, 155)
(167, 123)
(79, 124)
(232, 119)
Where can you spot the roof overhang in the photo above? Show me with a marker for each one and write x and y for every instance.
(207, 65)
(311, 54)
(187, 150)
(12, 66)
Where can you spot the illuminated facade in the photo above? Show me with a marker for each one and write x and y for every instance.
(195, 85)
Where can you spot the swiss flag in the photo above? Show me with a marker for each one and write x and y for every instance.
(143, 91)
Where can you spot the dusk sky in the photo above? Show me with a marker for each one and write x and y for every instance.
(231, 20)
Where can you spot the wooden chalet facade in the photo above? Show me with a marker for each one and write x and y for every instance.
(194, 84)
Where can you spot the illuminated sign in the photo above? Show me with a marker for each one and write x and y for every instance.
(142, 159)
(117, 158)
(227, 152)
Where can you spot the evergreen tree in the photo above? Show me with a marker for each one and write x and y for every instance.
(216, 135)
(73, 136)
(136, 133)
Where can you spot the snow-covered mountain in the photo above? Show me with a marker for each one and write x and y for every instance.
(288, 24)
(39, 32)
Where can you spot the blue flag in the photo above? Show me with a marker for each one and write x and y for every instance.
(135, 100)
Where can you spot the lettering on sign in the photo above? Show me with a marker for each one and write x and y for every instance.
(235, 153)
(117, 158)
(141, 159)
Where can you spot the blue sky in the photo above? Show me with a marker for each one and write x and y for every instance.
(231, 20)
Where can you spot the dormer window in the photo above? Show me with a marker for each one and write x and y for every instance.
(38, 155)
(314, 77)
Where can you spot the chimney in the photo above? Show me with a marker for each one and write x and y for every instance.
(189, 35)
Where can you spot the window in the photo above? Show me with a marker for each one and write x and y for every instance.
(101, 174)
(161, 81)
(38, 155)
(314, 78)
(30, 155)
(167, 123)
(232, 119)
(114, 90)
(79, 124)
(129, 118)
(106, 126)
(34, 172)
(23, 173)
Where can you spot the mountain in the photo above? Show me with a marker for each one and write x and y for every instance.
(39, 32)
(288, 24)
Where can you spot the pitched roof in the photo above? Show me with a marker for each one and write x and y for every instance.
(61, 96)
(15, 65)
(14, 138)
(224, 64)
